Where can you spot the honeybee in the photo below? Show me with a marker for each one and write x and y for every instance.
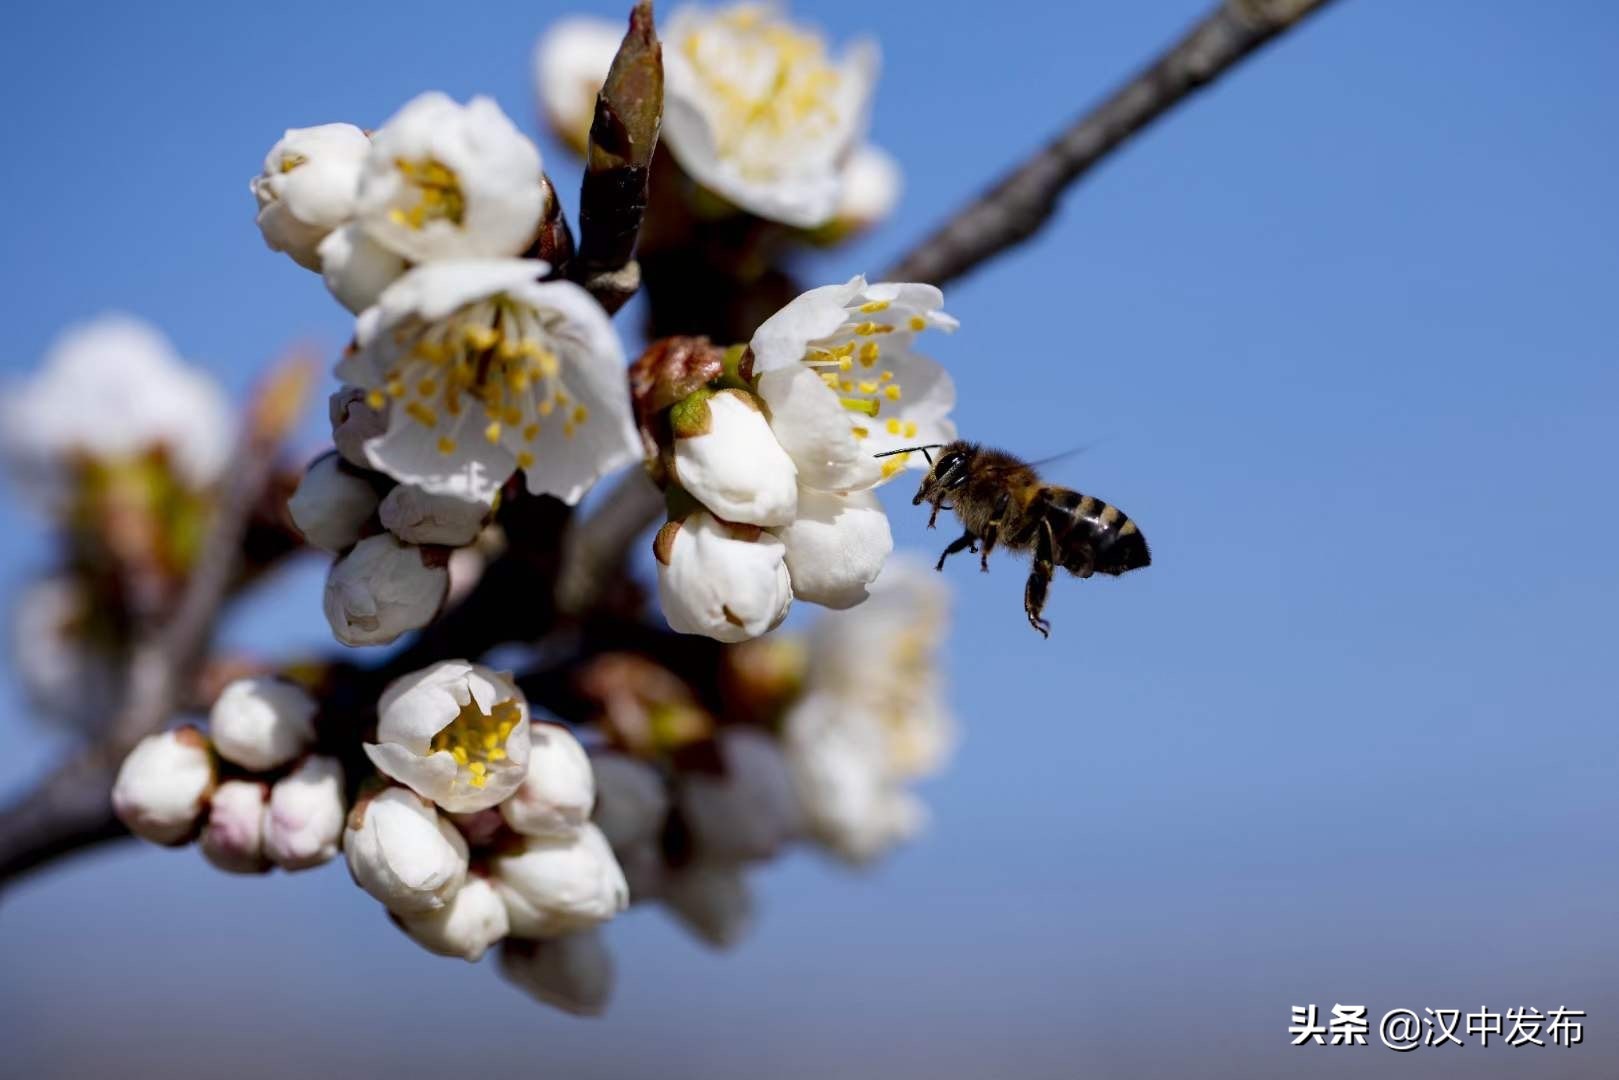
(1002, 500)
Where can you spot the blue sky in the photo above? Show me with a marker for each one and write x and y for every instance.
(1341, 331)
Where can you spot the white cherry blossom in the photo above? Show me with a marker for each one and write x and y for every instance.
(356, 268)
(484, 370)
(451, 181)
(836, 546)
(472, 921)
(726, 457)
(757, 111)
(839, 370)
(109, 390)
(872, 183)
(163, 785)
(560, 886)
(262, 722)
(331, 504)
(308, 187)
(728, 582)
(457, 733)
(559, 789)
(571, 61)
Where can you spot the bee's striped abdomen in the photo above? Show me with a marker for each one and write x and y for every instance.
(1092, 535)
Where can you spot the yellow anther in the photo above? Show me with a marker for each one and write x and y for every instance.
(846, 385)
(545, 407)
(459, 753)
(868, 386)
(567, 431)
(918, 323)
(432, 351)
(860, 432)
(869, 353)
(886, 376)
(860, 405)
(891, 391)
(890, 467)
(866, 329)
(530, 432)
(893, 427)
(580, 414)
(439, 194)
(910, 429)
(422, 414)
(396, 388)
(874, 305)
(290, 162)
(548, 364)
(427, 387)
(480, 337)
(376, 399)
(497, 754)
(830, 379)
(519, 380)
(525, 460)
(446, 445)
(492, 432)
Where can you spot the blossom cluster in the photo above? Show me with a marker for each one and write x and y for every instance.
(783, 458)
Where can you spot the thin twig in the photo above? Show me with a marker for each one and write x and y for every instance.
(595, 548)
(70, 810)
(1022, 201)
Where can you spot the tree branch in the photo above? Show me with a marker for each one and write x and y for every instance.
(71, 809)
(1023, 200)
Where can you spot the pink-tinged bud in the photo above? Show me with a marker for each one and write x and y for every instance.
(556, 795)
(231, 838)
(574, 973)
(304, 824)
(164, 784)
(262, 723)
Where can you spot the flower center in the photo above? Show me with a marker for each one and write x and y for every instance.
(853, 364)
(767, 81)
(476, 738)
(495, 354)
(438, 194)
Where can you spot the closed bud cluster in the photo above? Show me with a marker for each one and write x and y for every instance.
(162, 787)
(383, 588)
(262, 723)
(303, 824)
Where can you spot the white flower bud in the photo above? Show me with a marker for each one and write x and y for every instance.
(356, 268)
(554, 887)
(305, 820)
(353, 422)
(381, 589)
(573, 973)
(473, 920)
(748, 813)
(457, 733)
(555, 797)
(403, 853)
(308, 187)
(728, 582)
(163, 785)
(712, 901)
(836, 546)
(451, 181)
(631, 800)
(331, 504)
(232, 838)
(871, 188)
(727, 458)
(418, 517)
(262, 723)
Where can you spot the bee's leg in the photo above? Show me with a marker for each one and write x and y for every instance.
(965, 540)
(938, 503)
(1034, 593)
(993, 533)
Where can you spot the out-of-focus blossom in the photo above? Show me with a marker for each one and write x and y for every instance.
(484, 370)
(262, 723)
(755, 109)
(559, 886)
(356, 268)
(726, 457)
(163, 785)
(473, 920)
(556, 795)
(750, 811)
(308, 187)
(571, 61)
(110, 390)
(232, 838)
(304, 823)
(403, 853)
(417, 517)
(632, 799)
(855, 808)
(712, 901)
(383, 588)
(872, 183)
(455, 732)
(574, 973)
(728, 582)
(836, 546)
(840, 373)
(451, 181)
(69, 665)
(331, 504)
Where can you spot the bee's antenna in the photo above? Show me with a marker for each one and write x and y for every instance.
(911, 449)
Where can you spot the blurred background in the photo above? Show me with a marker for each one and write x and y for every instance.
(1341, 332)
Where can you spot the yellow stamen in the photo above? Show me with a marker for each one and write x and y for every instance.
(492, 432)
(874, 305)
(446, 445)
